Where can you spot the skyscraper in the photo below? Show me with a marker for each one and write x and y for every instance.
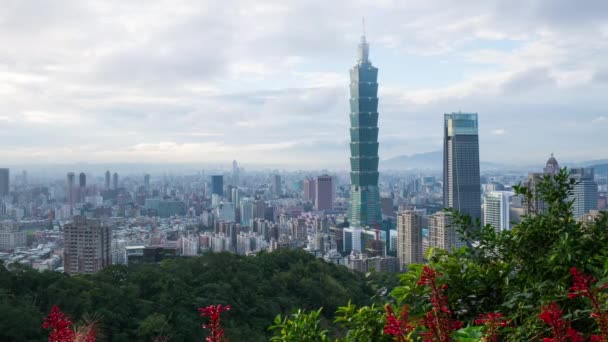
(4, 182)
(409, 237)
(496, 209)
(217, 185)
(364, 206)
(147, 182)
(87, 244)
(324, 193)
(235, 173)
(276, 185)
(82, 182)
(584, 192)
(70, 191)
(108, 179)
(115, 181)
(461, 181)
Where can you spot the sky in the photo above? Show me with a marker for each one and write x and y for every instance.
(266, 82)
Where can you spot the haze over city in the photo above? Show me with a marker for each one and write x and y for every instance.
(266, 83)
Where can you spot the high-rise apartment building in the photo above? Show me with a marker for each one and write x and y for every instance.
(441, 232)
(584, 192)
(461, 179)
(217, 185)
(496, 209)
(4, 182)
(11, 236)
(364, 206)
(309, 189)
(409, 236)
(324, 192)
(87, 245)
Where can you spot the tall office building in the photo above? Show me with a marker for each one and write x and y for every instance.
(217, 185)
(364, 206)
(108, 176)
(276, 185)
(115, 181)
(70, 191)
(409, 237)
(324, 193)
(309, 189)
(4, 182)
(441, 232)
(496, 209)
(82, 186)
(246, 212)
(235, 173)
(584, 192)
(147, 182)
(87, 245)
(461, 180)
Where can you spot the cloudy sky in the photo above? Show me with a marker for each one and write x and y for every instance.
(266, 82)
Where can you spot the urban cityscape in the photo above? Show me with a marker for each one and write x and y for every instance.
(365, 221)
(140, 189)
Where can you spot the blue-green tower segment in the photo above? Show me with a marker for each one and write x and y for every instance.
(364, 206)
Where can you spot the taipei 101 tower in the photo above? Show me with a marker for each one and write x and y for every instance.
(364, 206)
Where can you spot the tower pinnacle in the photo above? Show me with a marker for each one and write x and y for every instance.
(363, 46)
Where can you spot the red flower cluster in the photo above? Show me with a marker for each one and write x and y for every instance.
(216, 334)
(61, 325)
(492, 322)
(438, 320)
(560, 329)
(583, 287)
(400, 326)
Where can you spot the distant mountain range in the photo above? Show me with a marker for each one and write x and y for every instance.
(433, 161)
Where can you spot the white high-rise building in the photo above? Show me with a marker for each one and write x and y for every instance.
(496, 209)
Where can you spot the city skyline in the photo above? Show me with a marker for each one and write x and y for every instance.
(108, 83)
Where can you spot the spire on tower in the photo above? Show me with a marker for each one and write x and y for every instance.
(363, 46)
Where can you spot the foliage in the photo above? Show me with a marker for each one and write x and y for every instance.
(299, 327)
(161, 301)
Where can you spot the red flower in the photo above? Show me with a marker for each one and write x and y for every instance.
(61, 325)
(216, 334)
(400, 326)
(493, 322)
(582, 286)
(560, 329)
(438, 320)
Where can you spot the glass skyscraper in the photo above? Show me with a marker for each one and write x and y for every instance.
(364, 206)
(461, 181)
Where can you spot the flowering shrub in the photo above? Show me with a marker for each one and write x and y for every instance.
(62, 330)
(216, 334)
(398, 326)
(438, 320)
(492, 323)
(560, 329)
(583, 287)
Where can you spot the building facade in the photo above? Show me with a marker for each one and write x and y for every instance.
(364, 206)
(4, 182)
(496, 209)
(441, 232)
(87, 245)
(217, 185)
(409, 237)
(461, 178)
(584, 193)
(324, 193)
